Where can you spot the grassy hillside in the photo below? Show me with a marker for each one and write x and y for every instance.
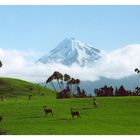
(14, 87)
(114, 115)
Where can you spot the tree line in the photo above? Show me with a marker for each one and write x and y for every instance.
(68, 86)
(121, 91)
(65, 86)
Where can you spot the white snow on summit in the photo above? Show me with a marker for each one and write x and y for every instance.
(72, 51)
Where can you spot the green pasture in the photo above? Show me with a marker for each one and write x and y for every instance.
(113, 116)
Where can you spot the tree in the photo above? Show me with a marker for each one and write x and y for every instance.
(0, 64)
(66, 79)
(77, 82)
(1, 95)
(137, 70)
(64, 91)
(58, 76)
(84, 93)
(69, 83)
(50, 80)
(78, 91)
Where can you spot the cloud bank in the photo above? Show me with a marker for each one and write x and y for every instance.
(117, 64)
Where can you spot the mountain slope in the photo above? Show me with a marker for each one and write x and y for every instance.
(71, 51)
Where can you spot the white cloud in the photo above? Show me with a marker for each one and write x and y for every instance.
(12, 58)
(120, 63)
(115, 64)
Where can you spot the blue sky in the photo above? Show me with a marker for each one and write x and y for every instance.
(41, 28)
(34, 30)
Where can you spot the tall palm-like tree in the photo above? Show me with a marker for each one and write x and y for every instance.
(78, 91)
(77, 82)
(66, 79)
(137, 70)
(60, 80)
(0, 64)
(49, 80)
(70, 83)
(58, 76)
(1, 95)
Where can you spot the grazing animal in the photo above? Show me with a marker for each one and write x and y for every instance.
(47, 110)
(1, 118)
(94, 102)
(2, 132)
(30, 97)
(75, 113)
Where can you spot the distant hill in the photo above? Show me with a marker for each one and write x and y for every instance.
(13, 87)
(128, 82)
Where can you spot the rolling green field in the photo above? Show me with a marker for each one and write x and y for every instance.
(114, 115)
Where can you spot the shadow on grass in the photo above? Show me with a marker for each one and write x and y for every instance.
(64, 119)
(86, 108)
(27, 117)
(49, 117)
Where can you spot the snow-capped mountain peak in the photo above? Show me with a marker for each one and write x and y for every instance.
(72, 51)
